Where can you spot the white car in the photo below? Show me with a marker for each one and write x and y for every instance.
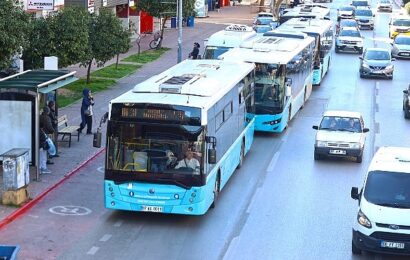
(340, 134)
(383, 214)
(385, 5)
(349, 39)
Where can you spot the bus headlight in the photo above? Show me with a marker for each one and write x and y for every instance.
(321, 144)
(273, 122)
(176, 196)
(355, 145)
(363, 220)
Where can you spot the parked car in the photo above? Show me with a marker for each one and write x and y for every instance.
(364, 18)
(264, 24)
(345, 12)
(340, 134)
(401, 46)
(399, 24)
(349, 39)
(383, 213)
(360, 4)
(406, 102)
(376, 62)
(346, 23)
(385, 6)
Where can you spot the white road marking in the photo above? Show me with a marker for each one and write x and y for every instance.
(258, 190)
(93, 250)
(101, 169)
(118, 223)
(272, 163)
(70, 210)
(105, 238)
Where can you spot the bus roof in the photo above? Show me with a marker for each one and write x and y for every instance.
(269, 49)
(231, 36)
(308, 11)
(194, 83)
(306, 25)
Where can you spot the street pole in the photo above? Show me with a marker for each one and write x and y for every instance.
(179, 16)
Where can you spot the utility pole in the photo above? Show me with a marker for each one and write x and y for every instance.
(179, 16)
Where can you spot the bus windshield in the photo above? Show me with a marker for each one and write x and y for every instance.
(150, 152)
(213, 52)
(268, 94)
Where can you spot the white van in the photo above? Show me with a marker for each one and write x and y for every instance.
(383, 216)
(231, 37)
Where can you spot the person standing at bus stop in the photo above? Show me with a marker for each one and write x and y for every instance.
(195, 51)
(86, 111)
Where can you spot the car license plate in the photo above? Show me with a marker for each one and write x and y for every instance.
(152, 209)
(337, 151)
(392, 245)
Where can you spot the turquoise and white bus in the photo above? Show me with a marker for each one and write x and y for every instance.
(226, 39)
(322, 31)
(283, 76)
(174, 140)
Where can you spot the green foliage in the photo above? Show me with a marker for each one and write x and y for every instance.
(111, 72)
(407, 7)
(146, 56)
(13, 28)
(405, 2)
(166, 8)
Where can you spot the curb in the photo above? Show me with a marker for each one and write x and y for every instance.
(20, 211)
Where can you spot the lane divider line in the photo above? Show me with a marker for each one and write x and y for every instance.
(23, 209)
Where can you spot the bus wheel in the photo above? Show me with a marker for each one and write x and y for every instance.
(242, 155)
(287, 123)
(304, 99)
(216, 190)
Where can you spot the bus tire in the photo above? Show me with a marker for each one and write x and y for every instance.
(359, 158)
(287, 123)
(216, 190)
(242, 155)
(304, 99)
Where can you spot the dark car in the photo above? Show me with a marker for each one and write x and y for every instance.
(376, 62)
(345, 12)
(406, 102)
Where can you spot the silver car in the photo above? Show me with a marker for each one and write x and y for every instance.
(376, 62)
(400, 47)
(385, 6)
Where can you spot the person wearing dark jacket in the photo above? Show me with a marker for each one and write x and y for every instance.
(86, 111)
(195, 51)
(46, 128)
(54, 122)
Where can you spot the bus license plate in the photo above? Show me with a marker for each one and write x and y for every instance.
(152, 209)
(392, 245)
(337, 151)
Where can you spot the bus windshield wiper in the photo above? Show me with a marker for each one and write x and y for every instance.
(394, 205)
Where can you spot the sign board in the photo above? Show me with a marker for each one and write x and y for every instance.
(40, 5)
(90, 3)
(104, 3)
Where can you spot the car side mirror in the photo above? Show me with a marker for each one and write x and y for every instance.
(354, 193)
(393, 59)
(365, 130)
(315, 127)
(360, 58)
(405, 91)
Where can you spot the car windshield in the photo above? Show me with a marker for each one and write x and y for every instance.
(360, 3)
(265, 15)
(348, 23)
(402, 40)
(350, 33)
(390, 189)
(384, 1)
(401, 22)
(377, 55)
(347, 8)
(364, 13)
(337, 123)
(264, 21)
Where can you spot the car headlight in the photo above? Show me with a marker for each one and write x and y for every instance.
(355, 145)
(321, 144)
(390, 67)
(363, 220)
(365, 65)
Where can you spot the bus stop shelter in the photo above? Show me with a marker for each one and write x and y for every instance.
(21, 97)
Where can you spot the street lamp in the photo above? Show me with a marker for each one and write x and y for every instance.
(179, 15)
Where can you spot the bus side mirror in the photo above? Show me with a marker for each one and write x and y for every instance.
(212, 156)
(288, 91)
(405, 92)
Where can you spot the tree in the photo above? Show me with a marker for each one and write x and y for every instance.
(165, 9)
(13, 29)
(106, 39)
(122, 44)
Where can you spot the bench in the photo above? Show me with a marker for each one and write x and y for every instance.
(66, 130)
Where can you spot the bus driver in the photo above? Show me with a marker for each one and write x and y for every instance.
(189, 161)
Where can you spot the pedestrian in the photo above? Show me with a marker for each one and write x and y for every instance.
(46, 128)
(86, 111)
(54, 122)
(195, 51)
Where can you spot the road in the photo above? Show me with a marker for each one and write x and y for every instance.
(280, 205)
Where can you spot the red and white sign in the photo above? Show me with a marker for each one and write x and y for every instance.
(40, 5)
(90, 3)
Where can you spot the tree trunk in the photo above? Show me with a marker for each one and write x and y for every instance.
(261, 5)
(162, 32)
(89, 71)
(118, 59)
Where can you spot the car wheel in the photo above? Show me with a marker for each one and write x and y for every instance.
(391, 77)
(361, 51)
(359, 158)
(317, 156)
(337, 50)
(361, 75)
(355, 249)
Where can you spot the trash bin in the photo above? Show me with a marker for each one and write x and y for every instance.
(8, 252)
(173, 22)
(16, 168)
(190, 21)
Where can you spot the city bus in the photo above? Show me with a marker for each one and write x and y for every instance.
(174, 140)
(322, 31)
(232, 36)
(283, 76)
(306, 11)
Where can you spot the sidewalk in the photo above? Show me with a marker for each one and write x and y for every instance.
(73, 158)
